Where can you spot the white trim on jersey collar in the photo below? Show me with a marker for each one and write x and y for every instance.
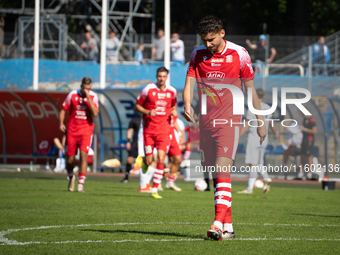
(225, 47)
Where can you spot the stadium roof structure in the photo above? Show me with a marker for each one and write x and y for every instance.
(55, 14)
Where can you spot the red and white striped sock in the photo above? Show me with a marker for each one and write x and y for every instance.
(228, 223)
(172, 177)
(158, 176)
(81, 181)
(222, 188)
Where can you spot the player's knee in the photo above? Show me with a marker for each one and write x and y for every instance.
(83, 155)
(70, 160)
(177, 159)
(148, 160)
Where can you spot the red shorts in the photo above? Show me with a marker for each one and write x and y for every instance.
(160, 140)
(219, 142)
(174, 149)
(73, 141)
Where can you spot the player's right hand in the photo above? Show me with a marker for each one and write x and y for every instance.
(62, 128)
(262, 132)
(152, 113)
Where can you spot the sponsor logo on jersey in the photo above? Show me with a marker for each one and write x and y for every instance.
(217, 60)
(215, 75)
(161, 95)
(225, 149)
(220, 94)
(161, 102)
(214, 64)
(229, 59)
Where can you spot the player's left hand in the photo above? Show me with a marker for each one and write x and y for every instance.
(262, 132)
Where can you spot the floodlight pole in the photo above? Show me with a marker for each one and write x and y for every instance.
(36, 45)
(167, 36)
(103, 46)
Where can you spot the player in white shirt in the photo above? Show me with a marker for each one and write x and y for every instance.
(255, 151)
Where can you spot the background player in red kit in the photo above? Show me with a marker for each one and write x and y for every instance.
(82, 105)
(216, 63)
(155, 102)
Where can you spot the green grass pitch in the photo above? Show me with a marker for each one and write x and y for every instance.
(39, 216)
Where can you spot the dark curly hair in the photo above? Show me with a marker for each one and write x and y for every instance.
(162, 69)
(209, 24)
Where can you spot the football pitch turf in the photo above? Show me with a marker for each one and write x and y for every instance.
(39, 216)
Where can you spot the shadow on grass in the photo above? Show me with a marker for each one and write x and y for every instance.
(316, 215)
(155, 233)
(45, 178)
(119, 195)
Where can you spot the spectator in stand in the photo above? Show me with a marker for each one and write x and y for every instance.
(260, 54)
(158, 48)
(112, 45)
(90, 47)
(321, 56)
(139, 57)
(177, 48)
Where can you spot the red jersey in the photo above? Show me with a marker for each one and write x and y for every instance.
(80, 118)
(229, 67)
(162, 101)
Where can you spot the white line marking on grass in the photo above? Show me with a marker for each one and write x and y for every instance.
(6, 241)
(289, 225)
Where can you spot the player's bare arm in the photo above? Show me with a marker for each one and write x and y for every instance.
(188, 94)
(245, 128)
(142, 110)
(262, 130)
(273, 128)
(128, 137)
(62, 126)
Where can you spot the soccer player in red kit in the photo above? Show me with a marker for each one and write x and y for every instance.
(212, 66)
(82, 104)
(156, 102)
(175, 153)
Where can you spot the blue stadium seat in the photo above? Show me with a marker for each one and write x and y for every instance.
(269, 148)
(118, 149)
(278, 150)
